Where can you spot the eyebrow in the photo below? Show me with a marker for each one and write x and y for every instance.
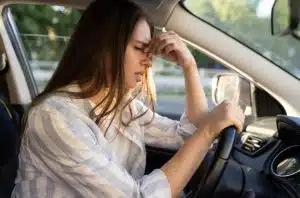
(143, 42)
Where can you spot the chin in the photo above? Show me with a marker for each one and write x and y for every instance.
(131, 85)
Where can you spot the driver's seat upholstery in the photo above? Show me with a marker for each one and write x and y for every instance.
(9, 146)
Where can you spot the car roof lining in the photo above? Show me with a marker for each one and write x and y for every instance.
(160, 10)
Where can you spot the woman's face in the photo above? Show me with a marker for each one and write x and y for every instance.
(136, 60)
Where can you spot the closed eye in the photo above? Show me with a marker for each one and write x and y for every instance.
(139, 48)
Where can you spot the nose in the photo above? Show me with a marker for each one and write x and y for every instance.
(147, 59)
(146, 63)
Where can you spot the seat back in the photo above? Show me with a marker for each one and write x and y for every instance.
(9, 147)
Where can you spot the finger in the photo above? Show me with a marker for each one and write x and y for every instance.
(158, 40)
(241, 121)
(153, 42)
(147, 50)
(226, 102)
(238, 124)
(165, 36)
(234, 114)
(161, 48)
(173, 34)
(240, 117)
(238, 121)
(234, 108)
(240, 114)
(169, 48)
(169, 52)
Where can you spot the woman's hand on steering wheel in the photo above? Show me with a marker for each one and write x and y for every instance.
(224, 115)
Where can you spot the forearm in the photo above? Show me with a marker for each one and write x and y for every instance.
(196, 102)
(184, 163)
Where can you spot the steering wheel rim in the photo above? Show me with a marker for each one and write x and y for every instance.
(212, 175)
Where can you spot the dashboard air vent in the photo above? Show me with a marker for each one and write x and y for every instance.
(253, 143)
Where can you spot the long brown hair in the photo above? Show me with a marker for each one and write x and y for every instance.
(103, 31)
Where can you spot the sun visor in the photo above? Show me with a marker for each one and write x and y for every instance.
(158, 10)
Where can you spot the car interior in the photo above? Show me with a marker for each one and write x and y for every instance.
(263, 161)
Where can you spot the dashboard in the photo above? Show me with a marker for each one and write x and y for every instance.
(265, 162)
(269, 154)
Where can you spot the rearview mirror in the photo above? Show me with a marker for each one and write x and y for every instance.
(232, 87)
(285, 18)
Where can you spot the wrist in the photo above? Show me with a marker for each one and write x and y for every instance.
(205, 129)
(190, 65)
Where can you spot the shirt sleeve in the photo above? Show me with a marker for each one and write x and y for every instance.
(163, 132)
(56, 139)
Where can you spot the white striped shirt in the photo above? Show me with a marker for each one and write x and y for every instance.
(64, 153)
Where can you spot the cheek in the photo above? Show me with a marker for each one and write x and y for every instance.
(129, 68)
(131, 60)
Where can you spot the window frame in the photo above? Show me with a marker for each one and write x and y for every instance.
(19, 49)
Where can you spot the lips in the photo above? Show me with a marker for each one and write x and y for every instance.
(139, 76)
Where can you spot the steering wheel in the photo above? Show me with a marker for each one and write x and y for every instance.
(211, 169)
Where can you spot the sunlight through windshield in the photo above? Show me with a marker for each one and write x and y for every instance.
(249, 22)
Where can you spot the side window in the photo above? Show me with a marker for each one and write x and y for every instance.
(44, 32)
(169, 79)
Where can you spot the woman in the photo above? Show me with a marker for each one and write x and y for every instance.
(85, 134)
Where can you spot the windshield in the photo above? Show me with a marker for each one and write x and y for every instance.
(248, 21)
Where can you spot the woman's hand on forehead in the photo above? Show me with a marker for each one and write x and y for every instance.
(170, 46)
